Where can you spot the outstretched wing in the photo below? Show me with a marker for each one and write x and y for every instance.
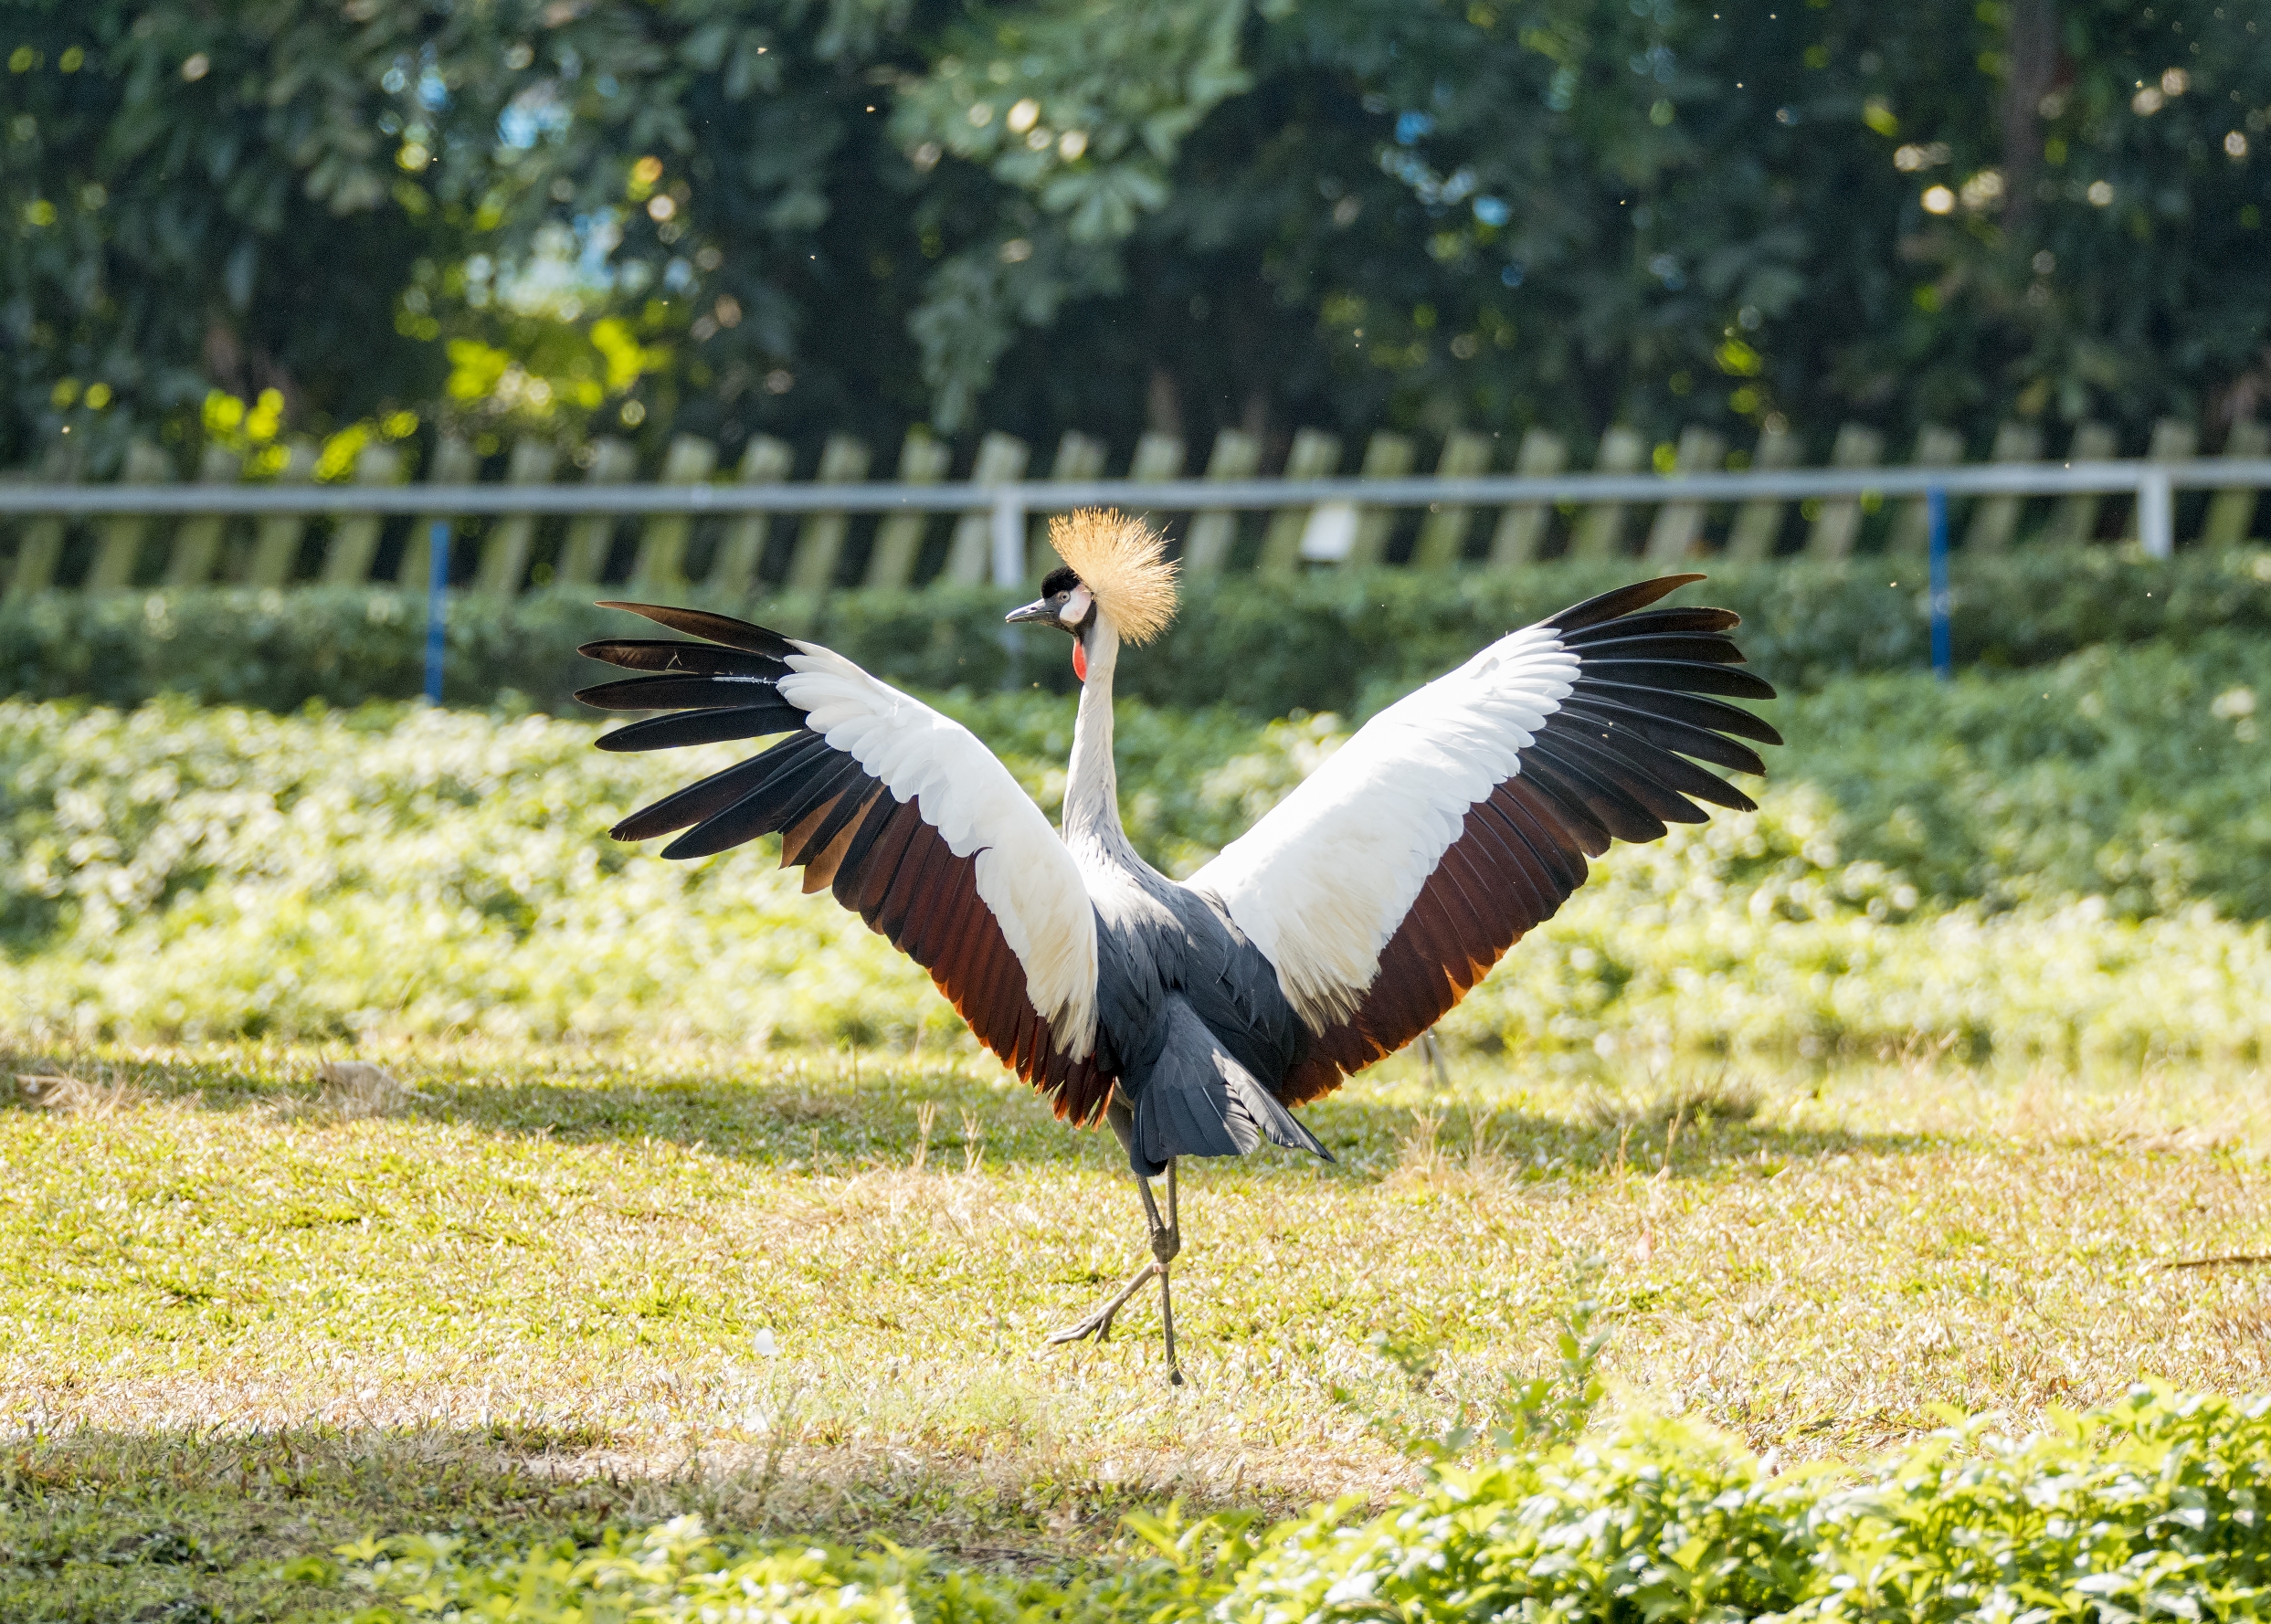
(1399, 872)
(900, 811)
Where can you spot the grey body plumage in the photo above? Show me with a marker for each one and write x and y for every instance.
(1193, 1013)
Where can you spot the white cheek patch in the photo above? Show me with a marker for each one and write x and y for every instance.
(1075, 609)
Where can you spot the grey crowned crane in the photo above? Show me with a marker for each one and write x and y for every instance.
(1192, 1015)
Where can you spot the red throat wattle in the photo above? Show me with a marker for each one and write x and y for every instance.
(1080, 659)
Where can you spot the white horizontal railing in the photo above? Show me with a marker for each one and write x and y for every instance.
(2152, 483)
(1009, 505)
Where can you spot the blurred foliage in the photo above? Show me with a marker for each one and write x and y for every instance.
(1179, 213)
(2067, 863)
(2149, 1507)
(212, 869)
(2138, 776)
(1346, 640)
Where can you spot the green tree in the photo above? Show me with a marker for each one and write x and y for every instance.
(727, 218)
(187, 211)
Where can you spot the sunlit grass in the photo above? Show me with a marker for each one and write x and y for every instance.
(535, 1293)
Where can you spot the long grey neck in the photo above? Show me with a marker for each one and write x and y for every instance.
(1092, 787)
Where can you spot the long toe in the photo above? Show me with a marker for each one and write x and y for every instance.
(1098, 1325)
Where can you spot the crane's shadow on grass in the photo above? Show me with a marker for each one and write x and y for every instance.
(831, 1114)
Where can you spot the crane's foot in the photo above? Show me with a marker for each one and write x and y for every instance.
(1098, 1325)
(1166, 1242)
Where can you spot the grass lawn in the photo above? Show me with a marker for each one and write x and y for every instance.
(243, 1320)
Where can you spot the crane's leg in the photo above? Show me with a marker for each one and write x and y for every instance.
(1166, 1242)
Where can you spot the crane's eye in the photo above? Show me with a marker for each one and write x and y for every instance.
(1077, 604)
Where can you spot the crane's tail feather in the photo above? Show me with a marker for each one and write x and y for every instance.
(1199, 1101)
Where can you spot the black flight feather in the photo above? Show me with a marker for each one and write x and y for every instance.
(1612, 807)
(1680, 675)
(852, 874)
(1585, 747)
(1535, 876)
(1692, 709)
(1569, 800)
(717, 629)
(1667, 769)
(704, 727)
(1715, 649)
(1623, 601)
(668, 654)
(713, 794)
(1665, 733)
(1515, 870)
(854, 802)
(880, 865)
(1649, 621)
(676, 693)
(774, 805)
(1560, 860)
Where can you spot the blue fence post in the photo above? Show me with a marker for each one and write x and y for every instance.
(1943, 634)
(437, 608)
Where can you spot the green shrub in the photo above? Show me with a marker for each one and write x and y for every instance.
(2156, 1507)
(1339, 641)
(2141, 775)
(679, 1571)
(2046, 863)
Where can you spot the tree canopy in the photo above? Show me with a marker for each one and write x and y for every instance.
(245, 220)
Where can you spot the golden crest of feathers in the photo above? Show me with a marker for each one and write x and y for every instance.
(1122, 563)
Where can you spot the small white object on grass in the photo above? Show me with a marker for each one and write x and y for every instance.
(766, 1345)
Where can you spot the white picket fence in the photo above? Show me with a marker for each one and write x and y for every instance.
(710, 532)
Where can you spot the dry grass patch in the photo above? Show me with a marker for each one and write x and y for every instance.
(351, 1088)
(105, 1096)
(1698, 1100)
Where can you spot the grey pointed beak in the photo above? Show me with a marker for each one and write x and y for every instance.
(1039, 610)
